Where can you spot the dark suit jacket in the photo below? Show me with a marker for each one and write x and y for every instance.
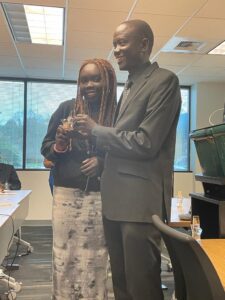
(8, 174)
(137, 178)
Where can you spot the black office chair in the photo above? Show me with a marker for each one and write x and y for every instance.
(192, 267)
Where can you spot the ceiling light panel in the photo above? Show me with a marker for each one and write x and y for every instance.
(35, 24)
(17, 21)
(45, 24)
(220, 49)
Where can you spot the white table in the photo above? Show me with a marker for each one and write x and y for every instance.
(14, 206)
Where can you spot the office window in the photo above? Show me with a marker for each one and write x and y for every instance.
(42, 100)
(11, 122)
(181, 162)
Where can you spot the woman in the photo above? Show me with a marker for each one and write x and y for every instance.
(79, 253)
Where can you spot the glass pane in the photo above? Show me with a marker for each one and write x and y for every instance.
(11, 122)
(42, 100)
(181, 162)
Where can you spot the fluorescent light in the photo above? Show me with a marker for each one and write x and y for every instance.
(45, 24)
(35, 24)
(220, 49)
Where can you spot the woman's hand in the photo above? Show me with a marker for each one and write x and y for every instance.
(89, 166)
(61, 139)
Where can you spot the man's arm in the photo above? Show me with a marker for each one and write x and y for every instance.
(162, 111)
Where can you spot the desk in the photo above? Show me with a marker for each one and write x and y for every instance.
(215, 250)
(212, 215)
(14, 206)
(175, 221)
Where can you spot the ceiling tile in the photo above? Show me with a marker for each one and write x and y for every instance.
(99, 21)
(213, 9)
(115, 5)
(172, 7)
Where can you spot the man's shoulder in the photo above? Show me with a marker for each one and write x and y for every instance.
(162, 74)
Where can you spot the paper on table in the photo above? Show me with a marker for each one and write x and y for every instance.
(7, 193)
(6, 204)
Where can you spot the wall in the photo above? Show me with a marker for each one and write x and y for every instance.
(41, 198)
(206, 97)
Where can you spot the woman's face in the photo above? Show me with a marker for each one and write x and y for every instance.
(91, 83)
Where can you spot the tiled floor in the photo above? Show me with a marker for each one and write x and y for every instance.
(35, 269)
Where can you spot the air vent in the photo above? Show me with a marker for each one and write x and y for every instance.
(189, 45)
(183, 45)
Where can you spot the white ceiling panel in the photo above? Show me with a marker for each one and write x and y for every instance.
(53, 73)
(115, 5)
(205, 29)
(79, 56)
(214, 9)
(12, 72)
(95, 20)
(39, 51)
(86, 39)
(30, 63)
(177, 59)
(172, 7)
(162, 25)
(10, 61)
(89, 29)
(6, 49)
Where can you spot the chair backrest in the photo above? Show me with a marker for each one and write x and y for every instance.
(187, 257)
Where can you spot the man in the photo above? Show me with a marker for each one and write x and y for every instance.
(136, 181)
(9, 177)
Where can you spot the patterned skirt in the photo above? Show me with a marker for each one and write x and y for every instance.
(79, 251)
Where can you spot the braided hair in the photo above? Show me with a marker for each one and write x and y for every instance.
(108, 95)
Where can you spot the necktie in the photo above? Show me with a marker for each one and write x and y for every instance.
(126, 92)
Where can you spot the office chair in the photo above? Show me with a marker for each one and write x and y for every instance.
(187, 256)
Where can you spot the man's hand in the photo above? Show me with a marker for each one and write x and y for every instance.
(61, 139)
(89, 166)
(84, 124)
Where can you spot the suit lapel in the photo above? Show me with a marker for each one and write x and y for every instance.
(117, 109)
(139, 83)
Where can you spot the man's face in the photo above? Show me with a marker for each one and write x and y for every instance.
(127, 47)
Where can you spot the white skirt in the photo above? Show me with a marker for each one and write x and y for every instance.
(79, 251)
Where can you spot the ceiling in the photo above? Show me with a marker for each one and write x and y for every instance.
(90, 25)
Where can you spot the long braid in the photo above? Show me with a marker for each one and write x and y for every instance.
(108, 96)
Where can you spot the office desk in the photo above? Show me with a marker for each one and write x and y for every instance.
(175, 221)
(14, 205)
(215, 249)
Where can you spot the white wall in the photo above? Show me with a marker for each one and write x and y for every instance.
(41, 199)
(206, 97)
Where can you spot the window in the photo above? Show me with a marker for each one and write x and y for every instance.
(11, 122)
(41, 101)
(181, 162)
